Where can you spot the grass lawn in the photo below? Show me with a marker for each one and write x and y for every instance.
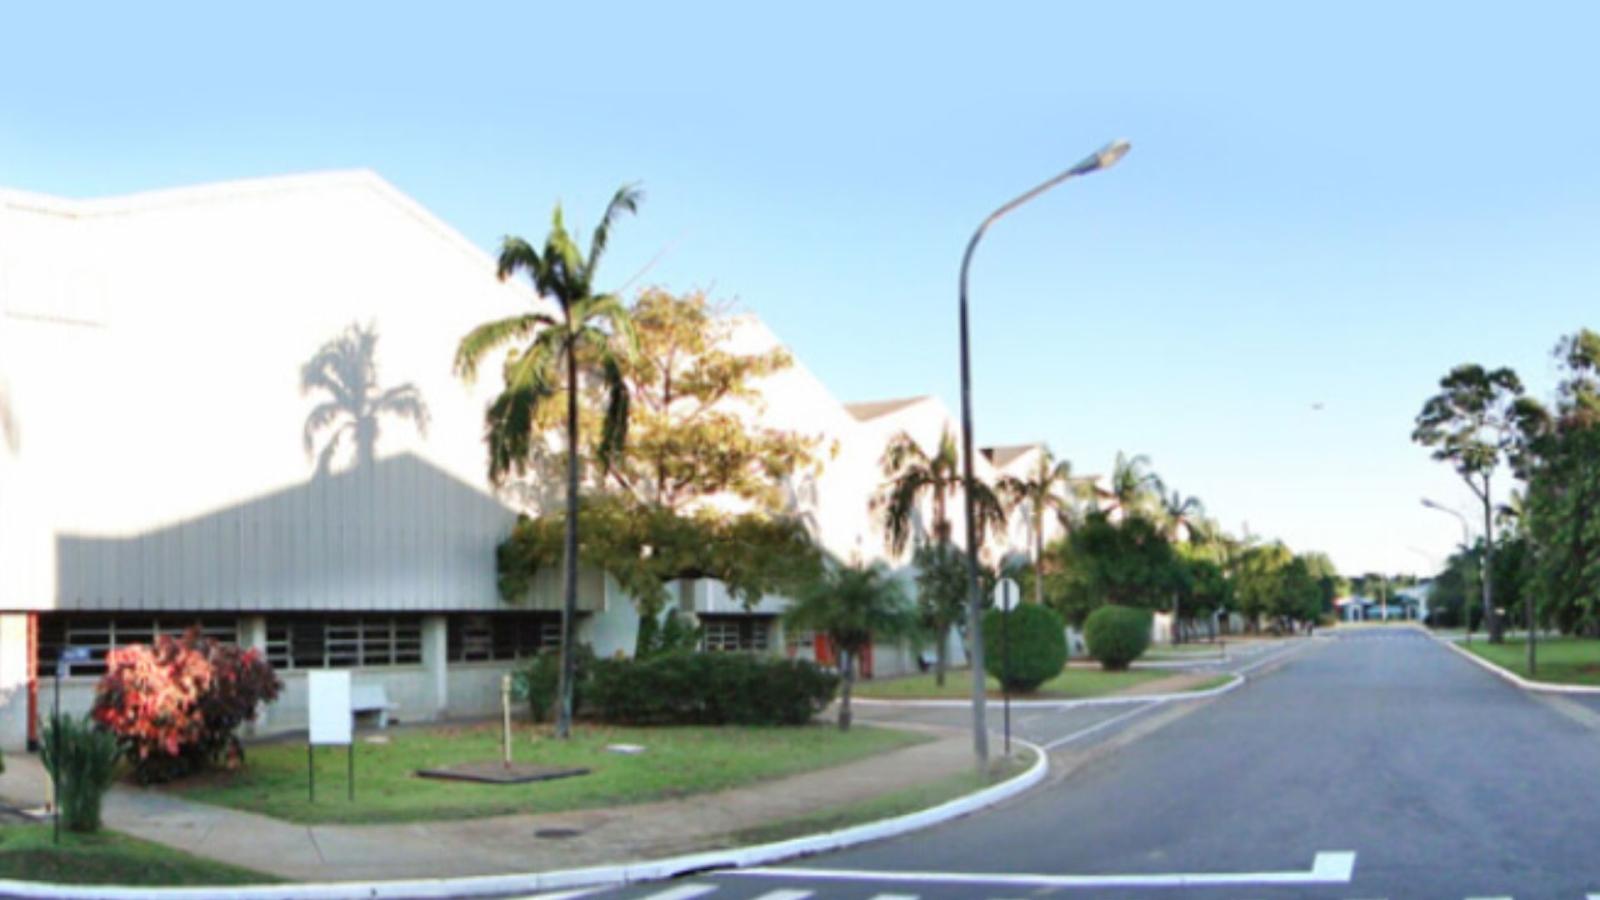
(896, 803)
(1563, 660)
(26, 853)
(1070, 683)
(677, 762)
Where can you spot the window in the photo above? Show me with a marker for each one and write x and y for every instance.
(101, 633)
(732, 633)
(502, 636)
(344, 642)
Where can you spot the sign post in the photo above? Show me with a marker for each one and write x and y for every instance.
(1006, 595)
(69, 655)
(332, 722)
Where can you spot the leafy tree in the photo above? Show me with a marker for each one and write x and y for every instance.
(851, 604)
(1049, 488)
(1330, 583)
(1127, 563)
(1474, 423)
(646, 547)
(1178, 514)
(692, 432)
(1562, 465)
(587, 329)
(941, 597)
(346, 369)
(1206, 587)
(914, 475)
(1025, 647)
(1259, 583)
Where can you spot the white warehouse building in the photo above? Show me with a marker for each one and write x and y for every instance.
(159, 460)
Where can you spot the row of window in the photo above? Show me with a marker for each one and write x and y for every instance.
(357, 641)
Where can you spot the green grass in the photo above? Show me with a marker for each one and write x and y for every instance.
(1214, 681)
(1071, 683)
(895, 803)
(1563, 660)
(678, 762)
(28, 853)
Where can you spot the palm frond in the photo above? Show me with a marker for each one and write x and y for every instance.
(320, 417)
(517, 255)
(489, 336)
(625, 200)
(614, 434)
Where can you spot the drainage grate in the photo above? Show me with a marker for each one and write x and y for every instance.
(556, 834)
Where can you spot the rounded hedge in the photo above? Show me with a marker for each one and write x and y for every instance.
(1117, 635)
(1031, 646)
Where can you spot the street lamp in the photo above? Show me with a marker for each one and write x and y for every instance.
(1104, 158)
(1466, 548)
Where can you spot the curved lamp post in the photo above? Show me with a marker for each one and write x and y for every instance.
(1466, 548)
(1104, 158)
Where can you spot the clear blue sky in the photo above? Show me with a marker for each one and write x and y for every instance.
(1323, 205)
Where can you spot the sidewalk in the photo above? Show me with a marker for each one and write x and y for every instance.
(500, 844)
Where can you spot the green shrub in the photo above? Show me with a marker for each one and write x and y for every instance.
(81, 758)
(1117, 635)
(672, 633)
(708, 689)
(540, 677)
(1024, 648)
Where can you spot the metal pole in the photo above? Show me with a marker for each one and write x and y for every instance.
(1005, 671)
(55, 744)
(1107, 156)
(505, 720)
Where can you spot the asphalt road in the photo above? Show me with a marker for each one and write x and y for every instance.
(1440, 779)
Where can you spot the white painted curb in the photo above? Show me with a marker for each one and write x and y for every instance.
(596, 876)
(1543, 687)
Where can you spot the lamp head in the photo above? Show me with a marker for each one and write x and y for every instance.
(1104, 158)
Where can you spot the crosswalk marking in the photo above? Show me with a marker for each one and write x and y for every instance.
(683, 892)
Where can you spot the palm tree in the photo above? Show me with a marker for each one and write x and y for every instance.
(1050, 488)
(1132, 484)
(1179, 513)
(588, 331)
(346, 369)
(913, 475)
(851, 604)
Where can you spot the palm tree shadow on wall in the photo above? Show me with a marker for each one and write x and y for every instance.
(345, 371)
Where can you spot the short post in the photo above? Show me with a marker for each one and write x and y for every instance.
(505, 719)
(55, 753)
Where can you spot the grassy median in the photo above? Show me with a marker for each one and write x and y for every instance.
(1070, 684)
(1563, 660)
(676, 762)
(28, 852)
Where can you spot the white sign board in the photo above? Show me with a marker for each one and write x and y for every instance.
(329, 695)
(1006, 594)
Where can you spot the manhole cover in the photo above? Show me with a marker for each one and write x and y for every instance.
(556, 834)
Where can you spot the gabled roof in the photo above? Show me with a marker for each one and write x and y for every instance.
(865, 412)
(1005, 456)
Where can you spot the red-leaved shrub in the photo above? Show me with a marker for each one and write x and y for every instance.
(175, 706)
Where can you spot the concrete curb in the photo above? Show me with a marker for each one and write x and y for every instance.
(1125, 700)
(595, 876)
(1542, 687)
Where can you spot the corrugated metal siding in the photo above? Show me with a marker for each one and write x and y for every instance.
(402, 535)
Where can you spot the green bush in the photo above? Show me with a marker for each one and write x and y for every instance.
(540, 677)
(672, 633)
(1117, 635)
(708, 689)
(1024, 648)
(81, 758)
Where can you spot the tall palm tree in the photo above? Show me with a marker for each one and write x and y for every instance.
(346, 369)
(913, 475)
(851, 604)
(587, 331)
(1132, 484)
(1179, 514)
(1049, 488)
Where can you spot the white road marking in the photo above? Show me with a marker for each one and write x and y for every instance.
(1326, 868)
(683, 892)
(894, 897)
(785, 895)
(1101, 726)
